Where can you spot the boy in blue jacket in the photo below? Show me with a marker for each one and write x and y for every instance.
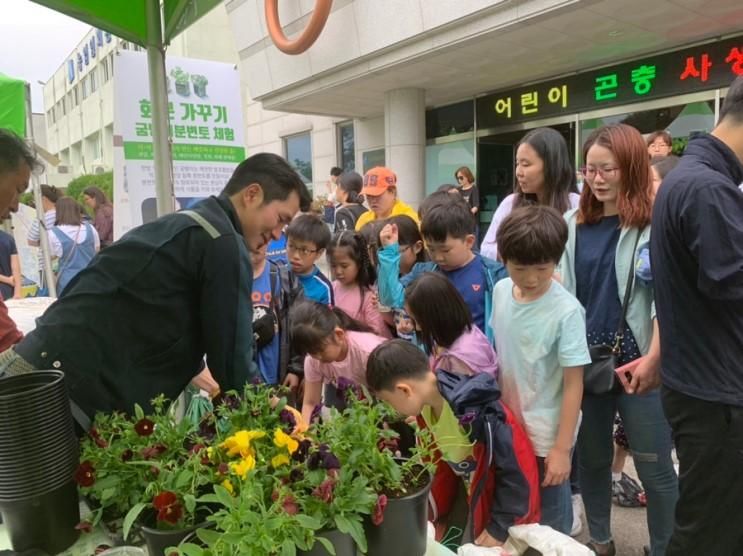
(448, 230)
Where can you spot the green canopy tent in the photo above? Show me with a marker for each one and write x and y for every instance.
(15, 115)
(152, 24)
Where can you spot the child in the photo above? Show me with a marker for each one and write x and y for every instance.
(336, 345)
(447, 229)
(445, 327)
(275, 289)
(542, 348)
(306, 239)
(354, 278)
(476, 435)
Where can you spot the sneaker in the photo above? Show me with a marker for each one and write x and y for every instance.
(577, 528)
(628, 493)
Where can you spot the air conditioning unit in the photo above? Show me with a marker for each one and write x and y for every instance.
(98, 169)
(63, 169)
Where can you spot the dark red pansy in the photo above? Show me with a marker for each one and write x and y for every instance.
(144, 427)
(85, 474)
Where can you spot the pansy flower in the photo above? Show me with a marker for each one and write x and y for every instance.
(144, 427)
(85, 474)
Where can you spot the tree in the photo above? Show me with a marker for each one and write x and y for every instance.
(104, 181)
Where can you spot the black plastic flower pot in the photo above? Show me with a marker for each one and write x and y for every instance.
(343, 544)
(158, 540)
(404, 526)
(46, 522)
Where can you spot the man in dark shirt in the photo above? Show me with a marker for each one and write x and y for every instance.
(17, 162)
(697, 264)
(139, 319)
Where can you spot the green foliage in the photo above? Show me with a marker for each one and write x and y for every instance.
(104, 181)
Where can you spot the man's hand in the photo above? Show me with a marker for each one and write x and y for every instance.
(556, 467)
(645, 376)
(388, 235)
(205, 381)
(485, 539)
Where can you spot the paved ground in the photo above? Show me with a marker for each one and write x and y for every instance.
(628, 525)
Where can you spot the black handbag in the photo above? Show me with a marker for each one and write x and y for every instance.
(600, 377)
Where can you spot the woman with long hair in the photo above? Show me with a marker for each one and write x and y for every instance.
(605, 235)
(544, 176)
(348, 194)
(96, 200)
(72, 242)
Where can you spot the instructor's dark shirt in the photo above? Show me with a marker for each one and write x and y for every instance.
(697, 262)
(138, 321)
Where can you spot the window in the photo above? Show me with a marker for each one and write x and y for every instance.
(370, 159)
(51, 115)
(111, 63)
(63, 102)
(85, 87)
(70, 100)
(75, 94)
(104, 65)
(298, 149)
(93, 85)
(450, 120)
(124, 45)
(346, 147)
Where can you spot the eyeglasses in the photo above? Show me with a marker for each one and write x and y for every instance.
(460, 178)
(606, 173)
(301, 250)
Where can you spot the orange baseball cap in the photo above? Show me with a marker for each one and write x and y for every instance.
(378, 180)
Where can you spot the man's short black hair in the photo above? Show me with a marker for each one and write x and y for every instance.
(393, 361)
(447, 215)
(14, 151)
(732, 107)
(532, 234)
(308, 227)
(273, 174)
(335, 171)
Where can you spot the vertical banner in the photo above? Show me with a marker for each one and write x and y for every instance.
(206, 130)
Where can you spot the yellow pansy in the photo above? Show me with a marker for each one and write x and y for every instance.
(301, 425)
(281, 439)
(239, 443)
(242, 467)
(228, 485)
(278, 461)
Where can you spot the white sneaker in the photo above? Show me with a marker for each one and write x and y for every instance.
(577, 528)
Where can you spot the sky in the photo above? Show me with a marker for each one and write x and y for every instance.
(34, 42)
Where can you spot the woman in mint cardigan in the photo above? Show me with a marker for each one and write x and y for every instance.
(615, 207)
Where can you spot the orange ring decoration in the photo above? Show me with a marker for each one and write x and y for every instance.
(309, 35)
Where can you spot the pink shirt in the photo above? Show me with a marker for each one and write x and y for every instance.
(353, 367)
(348, 298)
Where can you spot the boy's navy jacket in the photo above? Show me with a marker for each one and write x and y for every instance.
(504, 489)
(392, 286)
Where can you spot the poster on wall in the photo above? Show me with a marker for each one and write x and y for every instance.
(206, 130)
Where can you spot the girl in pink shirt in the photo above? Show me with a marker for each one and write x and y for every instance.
(354, 277)
(445, 327)
(336, 345)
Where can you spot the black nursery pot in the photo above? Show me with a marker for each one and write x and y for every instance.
(404, 529)
(342, 542)
(45, 522)
(158, 540)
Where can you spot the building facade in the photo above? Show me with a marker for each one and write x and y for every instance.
(78, 98)
(426, 86)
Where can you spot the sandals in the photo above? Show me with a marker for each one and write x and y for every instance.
(627, 492)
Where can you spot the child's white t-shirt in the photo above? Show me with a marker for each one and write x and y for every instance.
(535, 341)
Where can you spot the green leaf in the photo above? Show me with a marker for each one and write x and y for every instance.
(288, 548)
(308, 522)
(189, 500)
(208, 536)
(190, 549)
(138, 411)
(183, 478)
(327, 544)
(107, 493)
(354, 528)
(224, 497)
(131, 516)
(107, 482)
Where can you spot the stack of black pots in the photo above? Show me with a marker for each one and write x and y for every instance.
(39, 453)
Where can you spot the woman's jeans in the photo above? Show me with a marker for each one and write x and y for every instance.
(649, 437)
